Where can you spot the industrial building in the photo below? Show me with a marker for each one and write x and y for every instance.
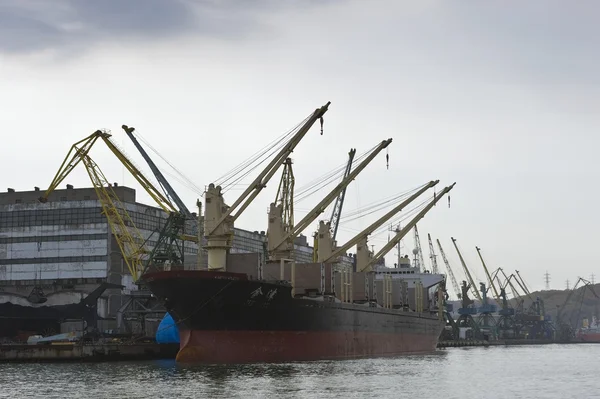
(65, 248)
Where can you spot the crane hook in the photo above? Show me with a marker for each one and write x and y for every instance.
(387, 159)
(448, 201)
(321, 120)
(434, 197)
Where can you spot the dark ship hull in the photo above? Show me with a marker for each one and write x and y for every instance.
(226, 318)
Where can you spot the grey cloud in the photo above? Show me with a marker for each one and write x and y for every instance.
(28, 26)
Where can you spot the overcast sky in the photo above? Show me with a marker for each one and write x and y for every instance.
(501, 97)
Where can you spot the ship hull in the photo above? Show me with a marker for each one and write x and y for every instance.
(590, 337)
(226, 318)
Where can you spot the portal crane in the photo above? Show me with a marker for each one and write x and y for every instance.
(128, 238)
(361, 238)
(169, 249)
(279, 247)
(489, 277)
(219, 218)
(164, 183)
(432, 255)
(565, 328)
(388, 247)
(467, 273)
(419, 254)
(455, 285)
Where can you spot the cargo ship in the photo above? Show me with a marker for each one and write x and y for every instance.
(227, 317)
(269, 307)
(590, 332)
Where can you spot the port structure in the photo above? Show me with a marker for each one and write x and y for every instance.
(130, 241)
(169, 252)
(418, 252)
(324, 239)
(566, 327)
(485, 320)
(279, 247)
(361, 239)
(432, 255)
(406, 229)
(219, 218)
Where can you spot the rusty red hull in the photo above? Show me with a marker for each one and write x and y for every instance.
(224, 347)
(227, 318)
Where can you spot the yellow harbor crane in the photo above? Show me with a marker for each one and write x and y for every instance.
(128, 238)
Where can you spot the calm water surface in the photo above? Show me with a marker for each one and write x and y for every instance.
(551, 371)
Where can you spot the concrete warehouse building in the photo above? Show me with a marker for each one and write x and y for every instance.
(66, 248)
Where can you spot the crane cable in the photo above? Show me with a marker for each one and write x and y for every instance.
(183, 179)
(272, 147)
(323, 181)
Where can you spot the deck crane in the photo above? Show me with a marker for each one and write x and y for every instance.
(360, 239)
(471, 282)
(281, 212)
(420, 263)
(220, 218)
(280, 247)
(327, 232)
(169, 248)
(432, 255)
(406, 229)
(129, 239)
(455, 285)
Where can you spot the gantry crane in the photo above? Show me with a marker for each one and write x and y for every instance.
(419, 261)
(360, 239)
(327, 232)
(432, 255)
(280, 247)
(128, 238)
(388, 247)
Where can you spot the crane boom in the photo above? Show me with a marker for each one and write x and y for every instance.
(450, 272)
(419, 250)
(260, 182)
(83, 147)
(432, 255)
(387, 248)
(379, 222)
(525, 288)
(320, 207)
(487, 273)
(339, 202)
(467, 273)
(164, 183)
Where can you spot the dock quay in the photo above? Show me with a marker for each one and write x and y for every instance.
(504, 342)
(87, 352)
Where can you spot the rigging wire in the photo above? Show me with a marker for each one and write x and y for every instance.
(326, 179)
(188, 182)
(376, 206)
(273, 146)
